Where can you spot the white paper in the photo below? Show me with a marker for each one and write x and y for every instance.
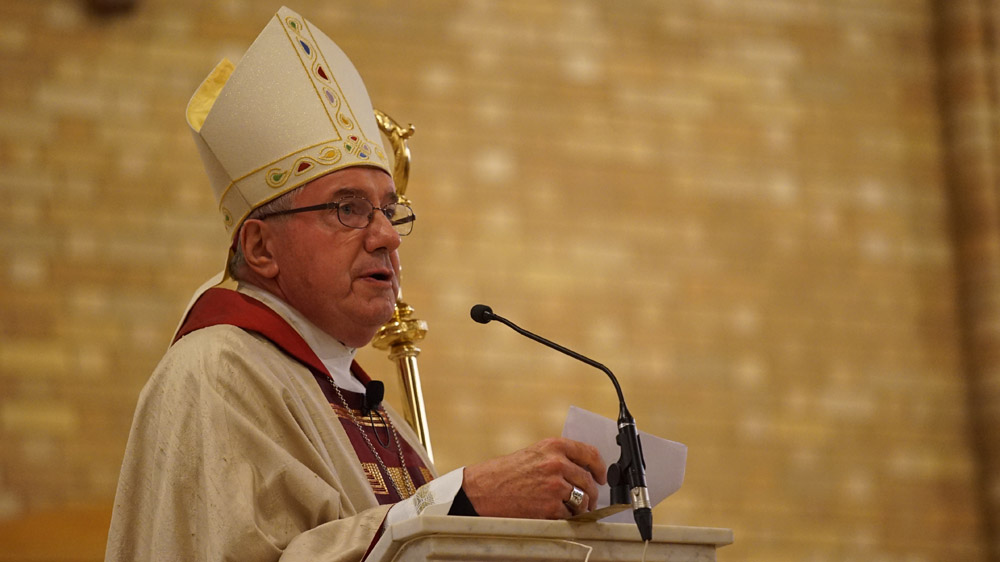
(665, 460)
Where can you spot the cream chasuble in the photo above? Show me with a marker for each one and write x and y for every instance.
(235, 454)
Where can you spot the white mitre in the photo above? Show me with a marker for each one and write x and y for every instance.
(292, 110)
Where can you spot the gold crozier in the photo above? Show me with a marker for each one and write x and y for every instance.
(400, 334)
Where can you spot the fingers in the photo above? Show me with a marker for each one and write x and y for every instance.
(587, 457)
(581, 478)
(536, 482)
(585, 470)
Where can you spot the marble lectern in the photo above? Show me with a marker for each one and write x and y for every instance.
(493, 539)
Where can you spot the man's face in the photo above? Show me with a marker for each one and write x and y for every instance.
(344, 280)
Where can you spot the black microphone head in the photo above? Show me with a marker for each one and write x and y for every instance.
(374, 392)
(481, 313)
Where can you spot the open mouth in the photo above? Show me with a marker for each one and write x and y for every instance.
(380, 276)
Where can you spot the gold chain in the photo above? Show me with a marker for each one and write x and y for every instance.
(408, 481)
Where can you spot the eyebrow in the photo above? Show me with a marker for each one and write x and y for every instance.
(343, 192)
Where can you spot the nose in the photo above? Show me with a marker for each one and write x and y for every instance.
(381, 234)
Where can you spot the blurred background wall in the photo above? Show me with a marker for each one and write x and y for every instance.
(775, 220)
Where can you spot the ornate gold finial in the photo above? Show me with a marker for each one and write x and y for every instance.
(400, 151)
(400, 334)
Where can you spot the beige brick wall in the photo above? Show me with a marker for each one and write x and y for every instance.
(739, 206)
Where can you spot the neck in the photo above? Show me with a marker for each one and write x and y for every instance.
(249, 276)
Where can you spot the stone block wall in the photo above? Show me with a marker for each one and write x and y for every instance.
(740, 206)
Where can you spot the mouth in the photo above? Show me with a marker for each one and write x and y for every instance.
(379, 275)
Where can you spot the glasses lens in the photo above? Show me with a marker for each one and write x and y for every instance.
(402, 220)
(354, 212)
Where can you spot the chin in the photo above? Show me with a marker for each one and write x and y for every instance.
(365, 330)
(357, 343)
(386, 310)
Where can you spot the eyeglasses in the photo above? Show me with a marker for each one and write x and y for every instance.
(358, 212)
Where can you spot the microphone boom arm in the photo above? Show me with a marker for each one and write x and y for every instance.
(627, 476)
(570, 352)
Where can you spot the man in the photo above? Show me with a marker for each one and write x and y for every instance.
(255, 438)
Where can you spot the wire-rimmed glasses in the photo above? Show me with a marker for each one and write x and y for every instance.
(358, 212)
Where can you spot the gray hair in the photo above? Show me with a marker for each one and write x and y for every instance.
(237, 263)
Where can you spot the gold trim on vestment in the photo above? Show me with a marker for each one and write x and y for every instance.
(375, 479)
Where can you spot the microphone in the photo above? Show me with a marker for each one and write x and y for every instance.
(374, 392)
(627, 477)
(482, 313)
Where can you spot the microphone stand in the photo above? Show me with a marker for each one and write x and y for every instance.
(627, 476)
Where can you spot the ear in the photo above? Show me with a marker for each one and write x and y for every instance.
(255, 238)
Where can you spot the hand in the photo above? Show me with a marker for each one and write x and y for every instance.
(536, 482)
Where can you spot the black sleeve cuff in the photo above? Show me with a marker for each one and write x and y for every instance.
(462, 506)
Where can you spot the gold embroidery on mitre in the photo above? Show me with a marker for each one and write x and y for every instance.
(275, 166)
(375, 478)
(303, 165)
(359, 147)
(320, 156)
(276, 177)
(319, 72)
(345, 122)
(331, 97)
(329, 155)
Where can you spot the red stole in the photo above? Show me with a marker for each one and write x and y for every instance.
(224, 306)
